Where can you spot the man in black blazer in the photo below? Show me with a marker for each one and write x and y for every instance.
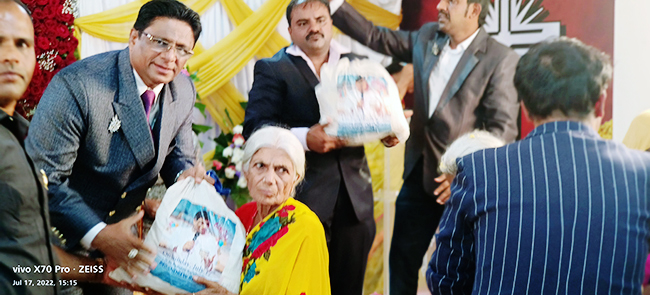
(463, 81)
(337, 182)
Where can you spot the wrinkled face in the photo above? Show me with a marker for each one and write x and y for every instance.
(201, 225)
(311, 27)
(157, 66)
(270, 176)
(17, 57)
(453, 15)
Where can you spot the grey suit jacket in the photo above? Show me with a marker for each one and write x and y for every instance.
(480, 93)
(97, 175)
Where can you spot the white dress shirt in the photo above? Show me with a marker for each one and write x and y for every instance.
(443, 69)
(336, 50)
(88, 238)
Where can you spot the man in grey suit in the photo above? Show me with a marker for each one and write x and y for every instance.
(463, 81)
(109, 124)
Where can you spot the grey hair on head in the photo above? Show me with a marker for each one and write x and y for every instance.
(279, 138)
(466, 144)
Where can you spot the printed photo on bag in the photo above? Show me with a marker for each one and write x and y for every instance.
(361, 106)
(196, 243)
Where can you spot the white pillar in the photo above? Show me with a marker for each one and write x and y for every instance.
(631, 63)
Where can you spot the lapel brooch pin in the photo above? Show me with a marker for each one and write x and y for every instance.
(435, 50)
(114, 125)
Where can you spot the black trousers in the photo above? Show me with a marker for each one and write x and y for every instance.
(416, 218)
(349, 242)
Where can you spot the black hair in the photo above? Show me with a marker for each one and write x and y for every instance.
(202, 214)
(562, 74)
(485, 10)
(171, 9)
(295, 3)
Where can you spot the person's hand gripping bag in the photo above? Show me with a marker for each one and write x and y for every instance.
(195, 234)
(361, 102)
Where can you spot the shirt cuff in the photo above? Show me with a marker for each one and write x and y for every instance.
(87, 240)
(335, 4)
(301, 133)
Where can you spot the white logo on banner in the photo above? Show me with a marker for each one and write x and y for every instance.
(513, 25)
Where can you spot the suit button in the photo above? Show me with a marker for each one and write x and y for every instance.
(149, 190)
(111, 213)
(137, 209)
(124, 195)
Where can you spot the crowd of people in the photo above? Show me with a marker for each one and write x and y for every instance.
(558, 211)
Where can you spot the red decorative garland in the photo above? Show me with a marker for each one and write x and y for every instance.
(54, 45)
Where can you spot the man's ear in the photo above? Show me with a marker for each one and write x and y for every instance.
(474, 10)
(133, 35)
(599, 108)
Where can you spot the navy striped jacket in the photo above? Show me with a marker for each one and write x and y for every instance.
(559, 212)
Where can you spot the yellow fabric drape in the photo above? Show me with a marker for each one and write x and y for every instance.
(238, 12)
(115, 24)
(376, 14)
(217, 65)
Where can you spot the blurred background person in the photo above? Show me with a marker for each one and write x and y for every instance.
(286, 251)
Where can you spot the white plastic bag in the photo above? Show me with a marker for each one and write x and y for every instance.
(361, 102)
(195, 234)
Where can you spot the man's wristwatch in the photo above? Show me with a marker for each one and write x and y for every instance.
(178, 175)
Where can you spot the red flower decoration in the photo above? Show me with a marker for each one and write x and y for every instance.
(53, 35)
(270, 242)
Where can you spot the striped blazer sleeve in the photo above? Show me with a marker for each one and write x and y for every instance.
(451, 269)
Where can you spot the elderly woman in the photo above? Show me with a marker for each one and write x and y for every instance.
(462, 146)
(286, 251)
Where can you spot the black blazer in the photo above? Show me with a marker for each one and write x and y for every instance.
(283, 93)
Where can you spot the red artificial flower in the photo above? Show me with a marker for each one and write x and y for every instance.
(62, 31)
(217, 165)
(270, 242)
(42, 2)
(42, 43)
(66, 18)
(52, 10)
(38, 14)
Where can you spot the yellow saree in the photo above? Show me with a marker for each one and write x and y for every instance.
(286, 253)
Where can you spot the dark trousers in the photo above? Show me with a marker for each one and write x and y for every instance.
(349, 242)
(416, 218)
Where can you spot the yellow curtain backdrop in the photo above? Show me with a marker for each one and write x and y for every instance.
(217, 65)
(115, 24)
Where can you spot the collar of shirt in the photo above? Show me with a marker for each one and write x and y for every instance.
(462, 46)
(143, 87)
(444, 68)
(16, 124)
(336, 50)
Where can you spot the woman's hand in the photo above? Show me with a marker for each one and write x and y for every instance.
(212, 288)
(444, 189)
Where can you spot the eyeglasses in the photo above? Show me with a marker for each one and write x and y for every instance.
(162, 45)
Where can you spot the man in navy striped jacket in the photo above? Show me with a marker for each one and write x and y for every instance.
(559, 212)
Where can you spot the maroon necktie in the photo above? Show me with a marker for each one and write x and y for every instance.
(147, 98)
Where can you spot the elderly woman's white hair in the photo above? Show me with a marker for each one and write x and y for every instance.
(465, 145)
(280, 138)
